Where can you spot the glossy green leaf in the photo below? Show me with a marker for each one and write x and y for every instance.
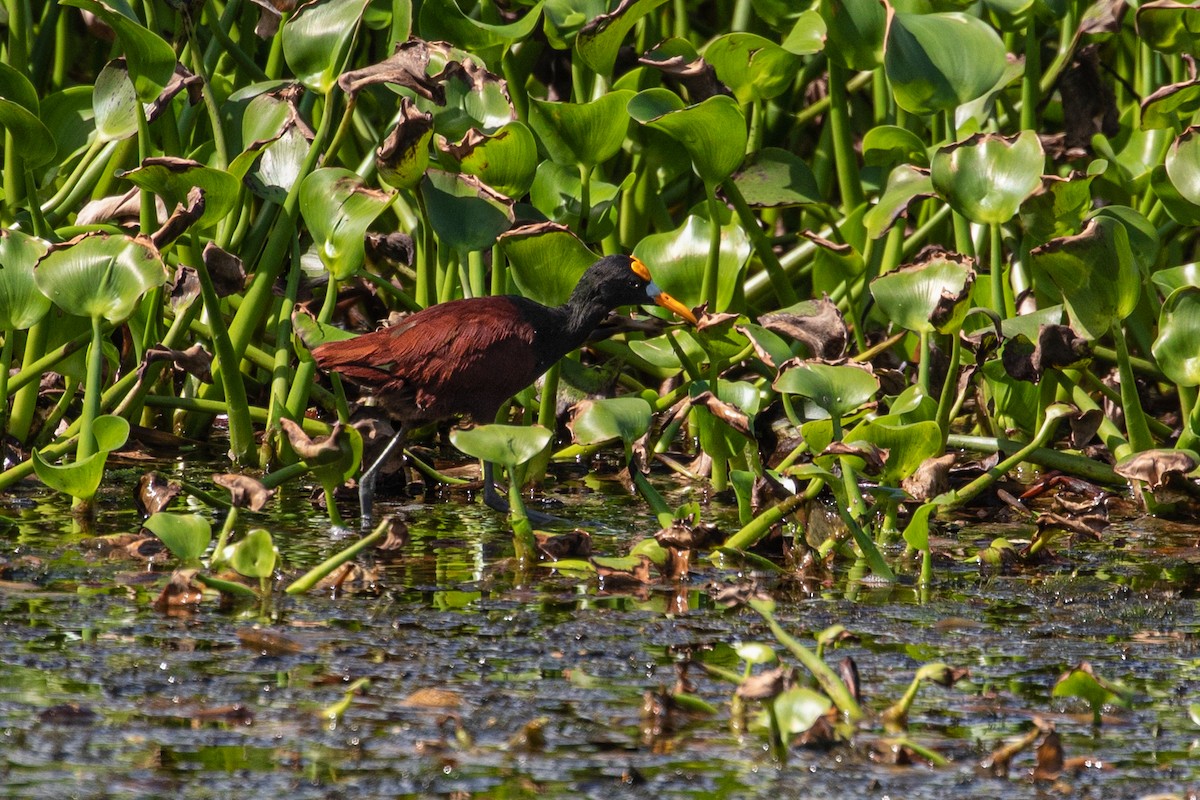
(546, 261)
(1175, 349)
(835, 388)
(1177, 206)
(316, 38)
(798, 708)
(114, 103)
(464, 213)
(776, 178)
(1183, 165)
(475, 98)
(79, 479)
(713, 131)
(598, 421)
(1058, 208)
(908, 445)
(505, 160)
(279, 165)
(1083, 683)
(100, 275)
(718, 438)
(916, 533)
(890, 145)
(508, 445)
(1095, 273)
(1172, 278)
(931, 295)
(172, 179)
(856, 31)
(599, 40)
(71, 119)
(987, 177)
(151, 60)
(21, 302)
(926, 75)
(404, 155)
(807, 36)
(905, 184)
(338, 208)
(582, 133)
(255, 555)
(1168, 26)
(557, 192)
(19, 116)
(187, 536)
(110, 431)
(753, 67)
(1171, 106)
(443, 20)
(677, 260)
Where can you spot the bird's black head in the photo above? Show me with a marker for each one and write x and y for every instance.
(619, 280)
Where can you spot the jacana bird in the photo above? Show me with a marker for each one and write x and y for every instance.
(467, 357)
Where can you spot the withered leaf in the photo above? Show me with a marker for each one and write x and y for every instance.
(697, 76)
(269, 643)
(1088, 103)
(999, 760)
(68, 714)
(245, 492)
(930, 479)
(766, 685)
(154, 493)
(874, 455)
(817, 324)
(728, 413)
(194, 361)
(226, 270)
(1155, 467)
(432, 697)
(322, 449)
(390, 248)
(575, 544)
(407, 66)
(619, 579)
(1049, 758)
(740, 594)
(185, 287)
(689, 535)
(180, 591)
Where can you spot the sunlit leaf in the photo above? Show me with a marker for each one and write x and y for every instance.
(597, 421)
(509, 445)
(316, 37)
(582, 133)
(1175, 348)
(931, 295)
(987, 177)
(78, 479)
(546, 261)
(926, 75)
(713, 131)
(21, 302)
(836, 389)
(172, 179)
(100, 275)
(678, 258)
(338, 207)
(754, 67)
(255, 555)
(774, 177)
(151, 60)
(505, 160)
(187, 536)
(599, 40)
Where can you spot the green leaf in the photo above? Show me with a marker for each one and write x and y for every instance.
(987, 177)
(1183, 165)
(835, 389)
(713, 131)
(172, 178)
(797, 709)
(1095, 273)
(931, 295)
(114, 103)
(889, 145)
(505, 160)
(187, 536)
(1171, 106)
(1175, 348)
(776, 178)
(69, 116)
(255, 555)
(755, 652)
(1083, 683)
(905, 184)
(151, 60)
(79, 479)
(677, 260)
(99, 275)
(110, 432)
(754, 67)
(599, 40)
(908, 445)
(443, 20)
(1168, 26)
(926, 75)
(19, 116)
(1059, 209)
(557, 192)
(338, 208)
(316, 37)
(582, 133)
(21, 303)
(916, 533)
(507, 445)
(464, 213)
(404, 155)
(598, 421)
(546, 261)
(807, 36)
(855, 29)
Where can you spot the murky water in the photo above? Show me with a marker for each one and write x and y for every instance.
(103, 696)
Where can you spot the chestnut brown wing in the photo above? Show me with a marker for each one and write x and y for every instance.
(461, 357)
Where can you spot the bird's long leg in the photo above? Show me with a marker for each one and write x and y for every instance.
(493, 500)
(366, 481)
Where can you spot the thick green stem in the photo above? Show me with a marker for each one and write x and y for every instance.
(780, 284)
(710, 283)
(843, 141)
(946, 401)
(966, 494)
(1136, 427)
(91, 397)
(999, 302)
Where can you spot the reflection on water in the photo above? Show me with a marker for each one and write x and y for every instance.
(484, 684)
